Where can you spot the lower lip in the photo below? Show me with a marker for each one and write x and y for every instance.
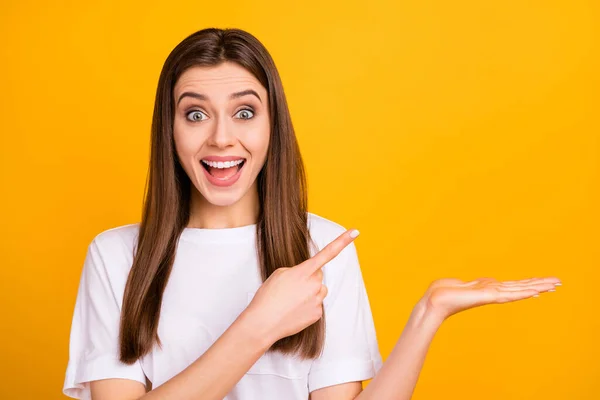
(226, 182)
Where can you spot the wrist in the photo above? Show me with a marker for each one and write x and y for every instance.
(428, 314)
(258, 332)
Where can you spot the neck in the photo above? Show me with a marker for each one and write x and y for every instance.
(204, 214)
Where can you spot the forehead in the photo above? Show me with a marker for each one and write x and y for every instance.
(217, 80)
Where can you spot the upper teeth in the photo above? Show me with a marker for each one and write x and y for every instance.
(220, 164)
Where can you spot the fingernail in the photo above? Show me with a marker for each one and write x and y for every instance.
(558, 284)
(354, 233)
(536, 295)
(552, 290)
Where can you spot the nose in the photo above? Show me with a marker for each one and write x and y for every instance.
(222, 135)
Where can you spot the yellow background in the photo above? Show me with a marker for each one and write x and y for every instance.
(461, 138)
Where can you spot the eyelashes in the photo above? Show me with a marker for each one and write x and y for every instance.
(196, 115)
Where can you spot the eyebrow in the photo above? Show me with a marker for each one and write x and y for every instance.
(235, 95)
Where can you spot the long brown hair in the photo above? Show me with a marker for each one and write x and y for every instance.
(282, 232)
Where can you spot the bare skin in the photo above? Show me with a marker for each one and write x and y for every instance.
(287, 302)
(443, 298)
(221, 126)
(291, 298)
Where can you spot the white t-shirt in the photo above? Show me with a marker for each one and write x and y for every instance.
(214, 277)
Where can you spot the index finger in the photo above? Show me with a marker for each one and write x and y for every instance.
(329, 252)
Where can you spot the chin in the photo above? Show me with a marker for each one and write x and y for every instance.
(224, 199)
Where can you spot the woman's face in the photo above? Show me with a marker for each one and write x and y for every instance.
(221, 130)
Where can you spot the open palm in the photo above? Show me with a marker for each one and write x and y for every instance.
(449, 296)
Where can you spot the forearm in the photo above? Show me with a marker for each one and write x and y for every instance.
(217, 371)
(397, 378)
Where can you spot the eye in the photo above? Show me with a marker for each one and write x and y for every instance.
(194, 115)
(245, 113)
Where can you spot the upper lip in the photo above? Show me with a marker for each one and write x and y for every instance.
(222, 159)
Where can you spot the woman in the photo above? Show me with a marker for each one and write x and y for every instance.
(228, 287)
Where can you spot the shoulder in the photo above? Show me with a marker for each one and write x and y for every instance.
(323, 231)
(124, 235)
(343, 272)
(323, 228)
(116, 241)
(112, 251)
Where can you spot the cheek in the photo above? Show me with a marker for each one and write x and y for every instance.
(256, 142)
(187, 142)
(186, 148)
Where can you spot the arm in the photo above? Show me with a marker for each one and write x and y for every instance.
(211, 376)
(445, 297)
(287, 302)
(406, 359)
(343, 391)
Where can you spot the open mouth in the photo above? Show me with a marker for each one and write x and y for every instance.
(223, 170)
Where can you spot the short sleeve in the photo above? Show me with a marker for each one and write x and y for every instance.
(93, 345)
(351, 352)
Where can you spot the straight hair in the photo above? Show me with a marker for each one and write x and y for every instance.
(282, 238)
